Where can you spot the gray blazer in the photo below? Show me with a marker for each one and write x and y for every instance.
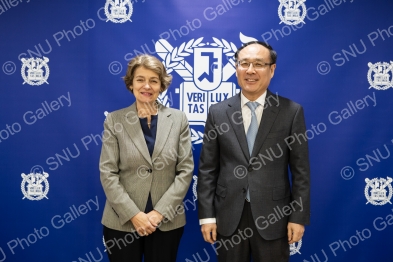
(128, 173)
(226, 168)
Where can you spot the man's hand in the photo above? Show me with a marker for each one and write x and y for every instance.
(155, 217)
(142, 224)
(295, 232)
(209, 232)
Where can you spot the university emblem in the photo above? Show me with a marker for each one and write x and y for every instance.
(295, 247)
(378, 191)
(205, 78)
(380, 75)
(292, 12)
(118, 11)
(35, 71)
(35, 185)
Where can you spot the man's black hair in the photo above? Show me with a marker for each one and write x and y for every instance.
(273, 54)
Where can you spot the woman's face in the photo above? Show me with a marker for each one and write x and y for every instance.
(146, 85)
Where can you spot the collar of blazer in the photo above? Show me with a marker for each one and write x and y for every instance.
(269, 115)
(133, 128)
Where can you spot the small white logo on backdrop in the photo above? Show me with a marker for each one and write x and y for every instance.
(35, 71)
(118, 11)
(378, 195)
(380, 75)
(292, 12)
(35, 186)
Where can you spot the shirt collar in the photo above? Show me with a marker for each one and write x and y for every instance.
(261, 100)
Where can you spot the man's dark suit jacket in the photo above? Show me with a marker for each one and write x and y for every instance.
(226, 168)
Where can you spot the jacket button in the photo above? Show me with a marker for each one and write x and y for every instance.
(244, 190)
(250, 168)
(150, 170)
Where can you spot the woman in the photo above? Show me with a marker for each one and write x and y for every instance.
(146, 168)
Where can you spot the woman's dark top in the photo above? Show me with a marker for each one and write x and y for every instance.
(150, 138)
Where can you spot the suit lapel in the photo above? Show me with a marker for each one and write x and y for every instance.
(164, 126)
(133, 127)
(269, 115)
(234, 114)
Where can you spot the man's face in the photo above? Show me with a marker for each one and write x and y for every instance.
(253, 81)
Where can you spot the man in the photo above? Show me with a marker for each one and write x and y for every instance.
(247, 203)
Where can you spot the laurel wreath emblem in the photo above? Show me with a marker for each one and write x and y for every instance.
(295, 247)
(282, 18)
(368, 197)
(371, 70)
(194, 187)
(177, 55)
(27, 63)
(229, 48)
(115, 20)
(163, 99)
(45, 181)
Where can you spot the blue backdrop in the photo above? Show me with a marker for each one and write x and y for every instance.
(62, 63)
